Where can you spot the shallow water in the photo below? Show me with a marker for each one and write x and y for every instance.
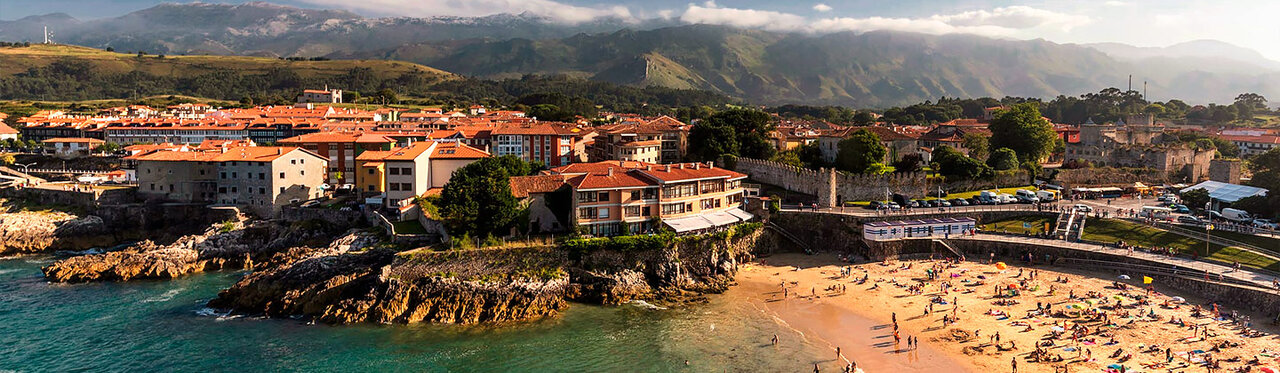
(164, 326)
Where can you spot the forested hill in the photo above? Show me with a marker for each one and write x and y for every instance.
(64, 73)
(872, 69)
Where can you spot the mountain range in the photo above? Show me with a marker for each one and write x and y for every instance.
(870, 69)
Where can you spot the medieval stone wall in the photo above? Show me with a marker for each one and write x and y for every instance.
(833, 187)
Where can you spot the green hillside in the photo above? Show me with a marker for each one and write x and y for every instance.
(867, 69)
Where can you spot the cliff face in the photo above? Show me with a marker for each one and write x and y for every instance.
(482, 285)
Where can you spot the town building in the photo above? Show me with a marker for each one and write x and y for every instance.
(6, 132)
(419, 169)
(71, 147)
(618, 197)
(256, 179)
(952, 133)
(1251, 145)
(896, 144)
(1143, 145)
(553, 145)
(341, 149)
(634, 138)
(326, 96)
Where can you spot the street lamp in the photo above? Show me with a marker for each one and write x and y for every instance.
(25, 166)
(1208, 226)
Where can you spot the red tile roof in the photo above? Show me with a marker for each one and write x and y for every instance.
(454, 150)
(410, 152)
(73, 140)
(523, 186)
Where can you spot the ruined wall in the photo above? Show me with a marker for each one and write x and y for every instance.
(1111, 176)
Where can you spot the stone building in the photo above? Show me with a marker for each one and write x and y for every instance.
(1143, 145)
(1225, 170)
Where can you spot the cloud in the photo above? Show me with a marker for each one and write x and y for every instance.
(1003, 21)
(554, 10)
(1115, 3)
(822, 7)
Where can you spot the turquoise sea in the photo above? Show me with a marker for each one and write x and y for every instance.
(150, 326)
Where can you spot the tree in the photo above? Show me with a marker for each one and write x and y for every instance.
(8, 159)
(950, 162)
(1022, 129)
(978, 145)
(1196, 198)
(386, 95)
(1256, 205)
(864, 118)
(108, 147)
(859, 151)
(477, 200)
(1266, 171)
(740, 132)
(1003, 159)
(1252, 100)
(350, 96)
(909, 163)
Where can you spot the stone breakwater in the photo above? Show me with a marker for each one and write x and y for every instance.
(483, 285)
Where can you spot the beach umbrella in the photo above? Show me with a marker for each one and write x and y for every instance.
(1146, 280)
(1013, 286)
(1119, 297)
(1125, 277)
(1268, 370)
(1001, 265)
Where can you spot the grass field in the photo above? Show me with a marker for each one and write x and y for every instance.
(409, 227)
(973, 194)
(14, 60)
(1016, 225)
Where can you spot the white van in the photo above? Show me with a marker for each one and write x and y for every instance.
(1239, 216)
(1156, 212)
(1047, 195)
(1026, 196)
(1007, 198)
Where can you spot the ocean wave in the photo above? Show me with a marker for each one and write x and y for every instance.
(167, 296)
(643, 304)
(82, 252)
(219, 315)
(8, 271)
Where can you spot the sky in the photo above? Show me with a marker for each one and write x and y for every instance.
(1247, 23)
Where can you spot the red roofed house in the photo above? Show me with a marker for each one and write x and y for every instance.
(420, 169)
(896, 144)
(257, 179)
(6, 132)
(341, 148)
(618, 197)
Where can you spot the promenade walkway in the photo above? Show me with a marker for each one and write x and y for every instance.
(1195, 267)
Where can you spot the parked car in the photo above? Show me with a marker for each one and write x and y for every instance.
(1188, 219)
(1215, 216)
(1264, 223)
(1181, 209)
(943, 203)
(1085, 208)
(973, 201)
(894, 206)
(876, 205)
(1236, 215)
(959, 202)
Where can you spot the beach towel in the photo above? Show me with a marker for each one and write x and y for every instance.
(1089, 343)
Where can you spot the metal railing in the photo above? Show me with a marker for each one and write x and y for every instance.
(860, 211)
(1172, 270)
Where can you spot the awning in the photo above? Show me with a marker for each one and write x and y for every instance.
(691, 223)
(721, 218)
(745, 216)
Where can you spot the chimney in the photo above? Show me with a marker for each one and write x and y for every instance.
(279, 151)
(648, 168)
(610, 171)
(697, 166)
(711, 164)
(682, 166)
(668, 168)
(622, 163)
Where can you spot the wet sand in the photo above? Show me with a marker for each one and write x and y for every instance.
(859, 319)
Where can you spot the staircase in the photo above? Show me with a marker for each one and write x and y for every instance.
(1070, 225)
(947, 245)
(789, 236)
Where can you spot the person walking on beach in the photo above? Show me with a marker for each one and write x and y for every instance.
(895, 317)
(775, 340)
(815, 368)
(838, 355)
(1014, 361)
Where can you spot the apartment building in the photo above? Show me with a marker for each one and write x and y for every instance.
(617, 197)
(634, 138)
(550, 144)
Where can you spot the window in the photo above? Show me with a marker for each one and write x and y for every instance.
(153, 187)
(222, 190)
(631, 211)
(233, 189)
(673, 208)
(233, 174)
(393, 170)
(406, 171)
(604, 196)
(636, 194)
(406, 187)
(587, 213)
(646, 212)
(584, 197)
(222, 175)
(262, 190)
(371, 171)
(262, 176)
(708, 203)
(395, 186)
(282, 175)
(281, 189)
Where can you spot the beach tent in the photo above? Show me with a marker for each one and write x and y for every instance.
(1002, 266)
(1226, 192)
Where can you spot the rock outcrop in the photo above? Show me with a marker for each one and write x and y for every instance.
(482, 285)
(220, 246)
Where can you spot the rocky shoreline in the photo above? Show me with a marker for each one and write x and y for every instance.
(340, 275)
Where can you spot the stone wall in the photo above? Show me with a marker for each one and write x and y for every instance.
(833, 187)
(830, 231)
(348, 218)
(87, 199)
(1111, 176)
(1225, 170)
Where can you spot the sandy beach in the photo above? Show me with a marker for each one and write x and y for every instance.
(1078, 327)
